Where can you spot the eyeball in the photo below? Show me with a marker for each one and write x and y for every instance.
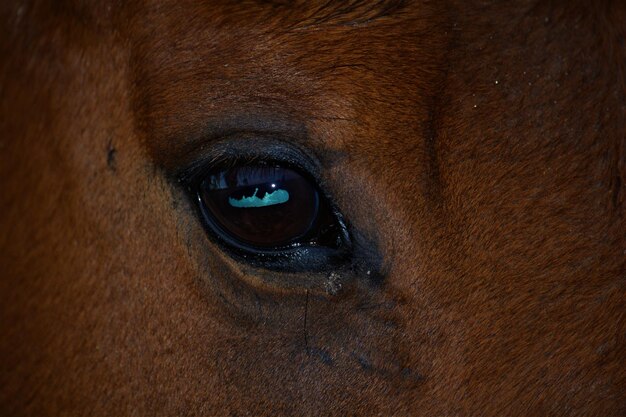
(266, 207)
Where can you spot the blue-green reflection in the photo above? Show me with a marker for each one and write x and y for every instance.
(270, 199)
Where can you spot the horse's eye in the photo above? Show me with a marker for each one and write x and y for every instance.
(266, 208)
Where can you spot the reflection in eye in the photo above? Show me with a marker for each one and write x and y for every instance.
(275, 197)
(266, 207)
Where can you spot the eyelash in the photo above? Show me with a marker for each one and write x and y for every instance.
(193, 174)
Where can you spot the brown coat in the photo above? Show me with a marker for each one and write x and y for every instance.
(476, 150)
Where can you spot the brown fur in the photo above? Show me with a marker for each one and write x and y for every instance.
(479, 147)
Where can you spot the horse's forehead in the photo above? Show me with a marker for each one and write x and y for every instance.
(322, 69)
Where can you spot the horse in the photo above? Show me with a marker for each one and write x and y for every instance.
(444, 233)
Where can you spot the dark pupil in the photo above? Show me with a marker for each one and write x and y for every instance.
(263, 206)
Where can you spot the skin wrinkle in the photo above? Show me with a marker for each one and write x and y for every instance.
(306, 315)
(490, 215)
(351, 15)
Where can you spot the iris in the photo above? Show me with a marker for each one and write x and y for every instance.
(266, 207)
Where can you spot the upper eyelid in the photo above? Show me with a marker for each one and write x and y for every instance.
(229, 152)
(199, 168)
